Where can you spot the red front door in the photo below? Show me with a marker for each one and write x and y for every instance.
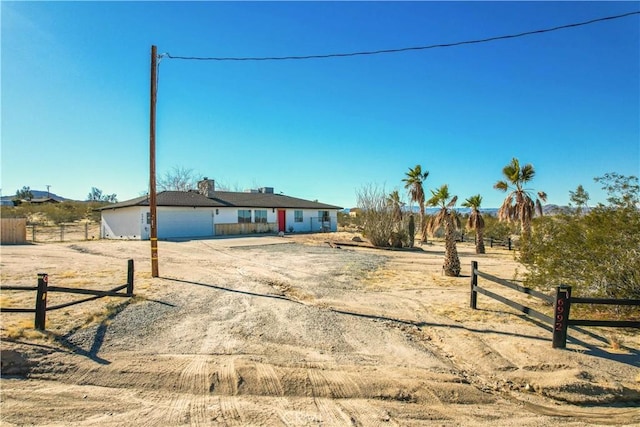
(282, 220)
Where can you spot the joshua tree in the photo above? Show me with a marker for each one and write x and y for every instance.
(413, 182)
(519, 205)
(448, 219)
(475, 221)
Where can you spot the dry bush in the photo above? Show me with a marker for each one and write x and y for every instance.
(378, 218)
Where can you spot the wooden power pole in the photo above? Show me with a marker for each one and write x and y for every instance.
(152, 164)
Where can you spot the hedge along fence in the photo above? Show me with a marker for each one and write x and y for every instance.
(561, 303)
(13, 231)
(42, 290)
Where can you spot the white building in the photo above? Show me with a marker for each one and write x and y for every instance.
(208, 213)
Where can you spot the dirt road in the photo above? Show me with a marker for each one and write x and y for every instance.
(290, 331)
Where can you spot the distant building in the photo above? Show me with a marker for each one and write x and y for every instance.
(208, 213)
(41, 201)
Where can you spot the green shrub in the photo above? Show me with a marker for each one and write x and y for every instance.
(597, 253)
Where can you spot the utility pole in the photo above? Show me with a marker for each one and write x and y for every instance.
(152, 164)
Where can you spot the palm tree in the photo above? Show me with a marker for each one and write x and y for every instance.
(475, 221)
(413, 182)
(395, 204)
(448, 219)
(519, 205)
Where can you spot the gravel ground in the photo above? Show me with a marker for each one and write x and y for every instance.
(294, 332)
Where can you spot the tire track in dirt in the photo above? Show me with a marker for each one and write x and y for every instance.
(225, 385)
(268, 380)
(189, 399)
(230, 410)
(270, 384)
(329, 386)
(331, 414)
(363, 414)
(194, 380)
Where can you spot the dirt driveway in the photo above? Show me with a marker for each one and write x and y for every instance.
(290, 331)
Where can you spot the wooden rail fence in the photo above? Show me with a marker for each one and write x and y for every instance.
(561, 303)
(42, 290)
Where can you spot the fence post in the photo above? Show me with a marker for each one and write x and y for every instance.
(509, 242)
(86, 231)
(561, 307)
(491, 242)
(130, 277)
(41, 301)
(474, 283)
(33, 233)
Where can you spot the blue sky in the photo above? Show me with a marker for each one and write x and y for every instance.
(75, 96)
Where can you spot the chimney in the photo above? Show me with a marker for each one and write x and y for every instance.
(206, 187)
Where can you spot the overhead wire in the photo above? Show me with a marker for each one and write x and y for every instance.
(404, 49)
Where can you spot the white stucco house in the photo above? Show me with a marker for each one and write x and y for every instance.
(208, 213)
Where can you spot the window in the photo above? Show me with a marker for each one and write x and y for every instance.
(323, 216)
(297, 216)
(261, 216)
(244, 216)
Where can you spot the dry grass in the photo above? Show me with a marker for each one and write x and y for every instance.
(67, 274)
(21, 328)
(21, 325)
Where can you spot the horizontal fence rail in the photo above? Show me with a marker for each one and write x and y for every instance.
(605, 323)
(43, 289)
(475, 289)
(562, 303)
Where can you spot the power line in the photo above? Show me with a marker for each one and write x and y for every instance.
(404, 49)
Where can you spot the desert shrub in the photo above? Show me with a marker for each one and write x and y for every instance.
(377, 218)
(597, 253)
(57, 213)
(499, 230)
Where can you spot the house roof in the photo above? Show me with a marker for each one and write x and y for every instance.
(43, 200)
(223, 199)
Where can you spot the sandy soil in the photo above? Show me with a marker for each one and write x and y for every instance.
(264, 331)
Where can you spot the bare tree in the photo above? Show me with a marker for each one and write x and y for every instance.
(378, 217)
(96, 195)
(178, 178)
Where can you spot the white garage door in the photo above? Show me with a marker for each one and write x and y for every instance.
(185, 222)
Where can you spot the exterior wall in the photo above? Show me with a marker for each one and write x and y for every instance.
(310, 221)
(230, 215)
(123, 223)
(131, 223)
(226, 222)
(185, 222)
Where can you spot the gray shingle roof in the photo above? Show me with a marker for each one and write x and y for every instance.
(223, 199)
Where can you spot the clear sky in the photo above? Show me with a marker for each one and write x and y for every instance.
(75, 96)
